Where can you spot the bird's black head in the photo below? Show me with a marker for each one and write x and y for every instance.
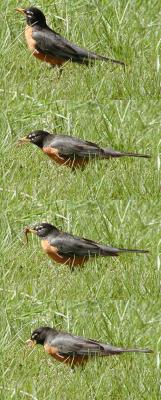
(34, 16)
(37, 137)
(43, 229)
(40, 335)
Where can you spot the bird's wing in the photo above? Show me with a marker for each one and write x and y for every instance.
(70, 345)
(53, 44)
(70, 245)
(74, 147)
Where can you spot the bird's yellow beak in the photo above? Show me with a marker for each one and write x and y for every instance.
(21, 10)
(31, 343)
(23, 140)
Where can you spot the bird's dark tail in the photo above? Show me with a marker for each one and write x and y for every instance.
(89, 57)
(112, 350)
(109, 153)
(133, 251)
(115, 251)
(111, 60)
(138, 351)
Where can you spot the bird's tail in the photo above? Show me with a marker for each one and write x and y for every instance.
(114, 252)
(107, 59)
(133, 251)
(112, 350)
(111, 60)
(109, 153)
(90, 56)
(138, 351)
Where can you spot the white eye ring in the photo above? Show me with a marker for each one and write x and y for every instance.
(34, 336)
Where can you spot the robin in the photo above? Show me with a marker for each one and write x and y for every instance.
(69, 249)
(74, 350)
(47, 45)
(71, 151)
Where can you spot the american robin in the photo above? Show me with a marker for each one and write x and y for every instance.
(47, 45)
(71, 151)
(69, 249)
(74, 350)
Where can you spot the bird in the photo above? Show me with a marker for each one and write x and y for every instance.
(47, 45)
(71, 250)
(71, 151)
(74, 350)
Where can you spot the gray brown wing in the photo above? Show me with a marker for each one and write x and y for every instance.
(53, 44)
(70, 146)
(75, 345)
(69, 245)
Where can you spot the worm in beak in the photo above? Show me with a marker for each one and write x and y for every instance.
(21, 10)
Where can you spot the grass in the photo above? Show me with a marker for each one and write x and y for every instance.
(115, 202)
(124, 30)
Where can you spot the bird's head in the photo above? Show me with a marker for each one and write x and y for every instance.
(39, 336)
(33, 15)
(35, 137)
(42, 230)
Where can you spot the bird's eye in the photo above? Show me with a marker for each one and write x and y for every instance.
(34, 336)
(39, 228)
(31, 137)
(29, 13)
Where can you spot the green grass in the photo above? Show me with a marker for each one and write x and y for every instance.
(115, 202)
(33, 374)
(124, 30)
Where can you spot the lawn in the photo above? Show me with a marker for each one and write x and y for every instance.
(116, 202)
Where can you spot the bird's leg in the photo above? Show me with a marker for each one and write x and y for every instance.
(60, 70)
(71, 268)
(73, 369)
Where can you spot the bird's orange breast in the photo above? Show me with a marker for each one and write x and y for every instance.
(38, 54)
(53, 253)
(49, 59)
(54, 154)
(72, 163)
(72, 360)
(29, 39)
